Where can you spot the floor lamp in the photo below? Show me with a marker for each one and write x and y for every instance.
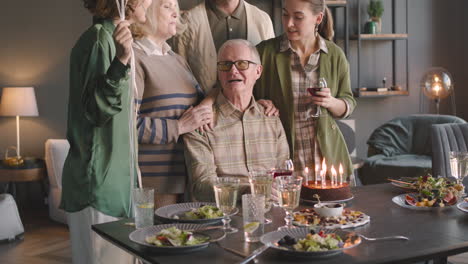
(18, 101)
(437, 84)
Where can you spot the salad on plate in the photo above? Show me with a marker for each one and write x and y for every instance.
(312, 242)
(203, 212)
(434, 192)
(174, 237)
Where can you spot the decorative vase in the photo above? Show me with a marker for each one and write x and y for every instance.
(370, 27)
(378, 24)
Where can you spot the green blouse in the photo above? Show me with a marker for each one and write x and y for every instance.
(275, 85)
(97, 169)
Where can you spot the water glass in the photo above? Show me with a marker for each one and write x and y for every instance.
(143, 206)
(253, 210)
(226, 190)
(261, 182)
(459, 166)
(289, 189)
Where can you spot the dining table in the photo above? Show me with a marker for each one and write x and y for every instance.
(433, 235)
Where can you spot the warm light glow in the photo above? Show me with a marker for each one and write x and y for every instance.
(436, 78)
(340, 169)
(334, 175)
(323, 173)
(317, 169)
(306, 173)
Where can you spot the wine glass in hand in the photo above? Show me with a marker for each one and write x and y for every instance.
(322, 83)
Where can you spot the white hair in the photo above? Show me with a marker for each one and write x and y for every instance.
(255, 57)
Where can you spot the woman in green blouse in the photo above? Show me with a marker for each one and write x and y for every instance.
(96, 175)
(294, 62)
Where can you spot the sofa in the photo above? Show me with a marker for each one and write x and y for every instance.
(56, 151)
(402, 147)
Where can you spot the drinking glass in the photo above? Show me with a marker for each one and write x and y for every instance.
(289, 188)
(226, 190)
(459, 166)
(143, 206)
(322, 83)
(261, 182)
(285, 169)
(253, 210)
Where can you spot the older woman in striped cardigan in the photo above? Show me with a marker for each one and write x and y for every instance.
(167, 93)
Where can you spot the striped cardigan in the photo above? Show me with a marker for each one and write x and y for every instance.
(166, 89)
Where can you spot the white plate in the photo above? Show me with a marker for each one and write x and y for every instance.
(139, 236)
(272, 238)
(169, 211)
(337, 201)
(400, 200)
(359, 222)
(463, 206)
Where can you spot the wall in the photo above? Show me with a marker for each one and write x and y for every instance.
(38, 36)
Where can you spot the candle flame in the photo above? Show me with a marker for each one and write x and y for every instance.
(306, 170)
(340, 169)
(333, 171)
(324, 165)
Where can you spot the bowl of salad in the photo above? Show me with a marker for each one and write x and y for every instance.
(196, 212)
(303, 241)
(175, 238)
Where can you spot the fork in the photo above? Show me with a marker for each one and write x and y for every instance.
(383, 238)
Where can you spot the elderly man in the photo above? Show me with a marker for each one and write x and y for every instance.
(208, 25)
(243, 138)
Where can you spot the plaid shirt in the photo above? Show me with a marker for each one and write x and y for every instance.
(240, 142)
(307, 152)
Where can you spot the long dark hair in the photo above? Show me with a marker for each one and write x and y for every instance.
(325, 29)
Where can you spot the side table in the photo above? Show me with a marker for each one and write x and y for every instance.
(32, 170)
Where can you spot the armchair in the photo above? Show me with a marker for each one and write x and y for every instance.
(56, 151)
(446, 138)
(401, 148)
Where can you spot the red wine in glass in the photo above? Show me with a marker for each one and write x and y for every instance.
(282, 172)
(313, 90)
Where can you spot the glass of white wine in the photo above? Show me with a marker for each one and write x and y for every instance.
(226, 190)
(289, 190)
(261, 182)
(459, 166)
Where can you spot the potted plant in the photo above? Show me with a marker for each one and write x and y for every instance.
(375, 10)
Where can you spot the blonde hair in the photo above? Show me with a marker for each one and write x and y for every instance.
(108, 8)
(140, 30)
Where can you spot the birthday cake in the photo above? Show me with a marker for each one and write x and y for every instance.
(327, 192)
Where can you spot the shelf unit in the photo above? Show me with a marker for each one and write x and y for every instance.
(333, 5)
(382, 37)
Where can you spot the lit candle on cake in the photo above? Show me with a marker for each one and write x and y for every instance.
(334, 178)
(341, 174)
(306, 173)
(316, 173)
(323, 173)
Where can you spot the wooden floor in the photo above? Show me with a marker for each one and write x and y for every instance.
(47, 242)
(44, 242)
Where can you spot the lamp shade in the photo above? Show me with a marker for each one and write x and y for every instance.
(18, 101)
(437, 83)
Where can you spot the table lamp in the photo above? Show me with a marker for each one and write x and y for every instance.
(437, 84)
(18, 101)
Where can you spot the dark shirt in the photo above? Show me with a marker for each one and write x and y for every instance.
(224, 26)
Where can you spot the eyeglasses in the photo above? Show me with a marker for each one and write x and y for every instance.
(241, 65)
